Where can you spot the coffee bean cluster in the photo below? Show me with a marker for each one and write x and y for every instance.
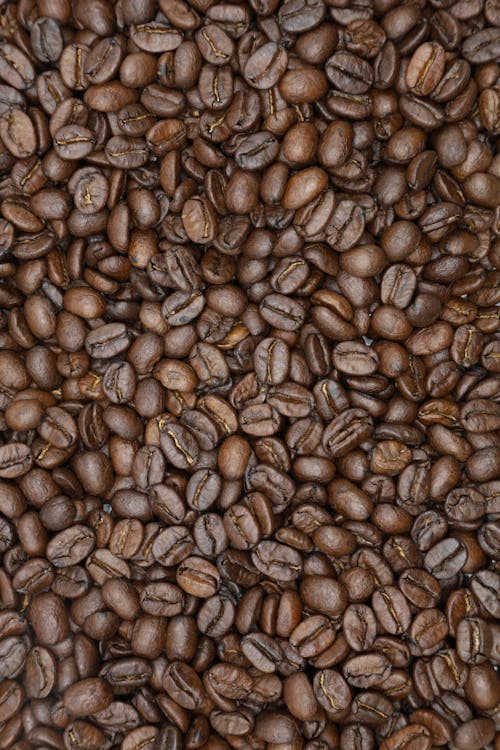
(249, 374)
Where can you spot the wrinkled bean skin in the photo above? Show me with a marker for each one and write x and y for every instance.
(249, 374)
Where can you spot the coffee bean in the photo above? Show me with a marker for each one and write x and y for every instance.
(475, 733)
(70, 546)
(13, 651)
(302, 85)
(347, 431)
(265, 67)
(425, 68)
(445, 558)
(15, 460)
(281, 562)
(332, 692)
(179, 446)
(87, 696)
(349, 73)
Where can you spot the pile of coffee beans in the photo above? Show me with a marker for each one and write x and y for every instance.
(249, 374)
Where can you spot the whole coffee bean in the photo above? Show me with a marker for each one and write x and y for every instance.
(265, 67)
(18, 134)
(172, 545)
(366, 670)
(183, 684)
(122, 675)
(445, 558)
(324, 595)
(199, 220)
(87, 696)
(332, 693)
(41, 671)
(49, 618)
(73, 142)
(15, 460)
(481, 46)
(16, 68)
(474, 640)
(335, 145)
(261, 651)
(428, 630)
(391, 609)
(11, 699)
(347, 431)
(360, 626)
(179, 446)
(281, 562)
(425, 68)
(349, 73)
(71, 546)
(412, 735)
(483, 586)
(312, 636)
(354, 358)
(475, 733)
(13, 651)
(302, 85)
(162, 599)
(419, 587)
(197, 577)
(303, 187)
(481, 686)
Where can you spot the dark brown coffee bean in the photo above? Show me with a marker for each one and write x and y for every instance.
(332, 692)
(172, 545)
(425, 68)
(279, 561)
(366, 670)
(360, 626)
(354, 358)
(302, 85)
(49, 618)
(87, 696)
(73, 142)
(13, 651)
(71, 546)
(183, 684)
(391, 609)
(125, 152)
(481, 47)
(349, 73)
(18, 134)
(265, 67)
(16, 68)
(40, 672)
(15, 460)
(347, 431)
(445, 558)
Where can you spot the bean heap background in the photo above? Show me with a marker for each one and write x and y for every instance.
(249, 357)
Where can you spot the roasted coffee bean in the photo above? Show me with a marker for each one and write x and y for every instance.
(87, 696)
(347, 431)
(446, 558)
(281, 562)
(179, 446)
(332, 693)
(41, 672)
(183, 685)
(172, 545)
(265, 66)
